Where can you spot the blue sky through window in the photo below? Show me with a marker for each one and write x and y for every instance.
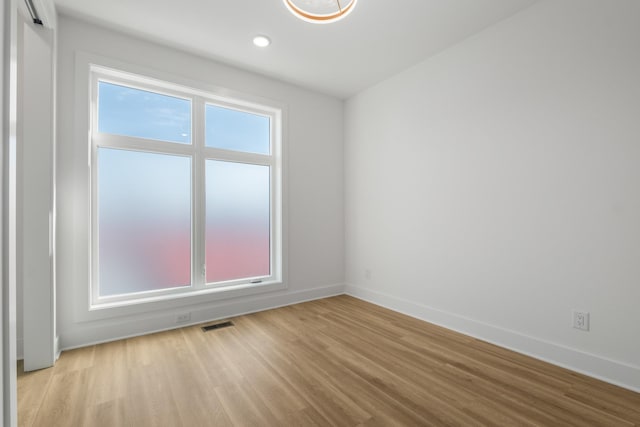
(133, 112)
(236, 130)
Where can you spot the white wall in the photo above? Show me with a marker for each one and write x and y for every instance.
(315, 183)
(496, 186)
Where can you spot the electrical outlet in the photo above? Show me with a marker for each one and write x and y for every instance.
(581, 320)
(183, 317)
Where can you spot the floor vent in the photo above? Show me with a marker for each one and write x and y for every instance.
(217, 326)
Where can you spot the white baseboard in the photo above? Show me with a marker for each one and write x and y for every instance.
(87, 334)
(614, 372)
(611, 371)
(56, 348)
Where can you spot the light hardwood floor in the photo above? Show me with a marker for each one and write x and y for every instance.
(337, 361)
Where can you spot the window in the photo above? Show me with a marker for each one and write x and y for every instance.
(185, 192)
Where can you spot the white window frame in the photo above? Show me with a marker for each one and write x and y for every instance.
(199, 153)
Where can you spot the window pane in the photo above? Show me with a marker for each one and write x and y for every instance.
(144, 221)
(237, 222)
(133, 112)
(236, 130)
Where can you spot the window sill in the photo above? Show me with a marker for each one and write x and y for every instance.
(176, 300)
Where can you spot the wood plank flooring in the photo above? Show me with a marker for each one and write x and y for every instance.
(332, 362)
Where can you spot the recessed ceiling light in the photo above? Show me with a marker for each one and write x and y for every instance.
(261, 41)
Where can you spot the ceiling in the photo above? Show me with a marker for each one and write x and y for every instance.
(379, 39)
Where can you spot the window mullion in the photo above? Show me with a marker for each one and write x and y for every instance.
(198, 194)
(241, 157)
(93, 206)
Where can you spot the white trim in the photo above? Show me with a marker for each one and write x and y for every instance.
(90, 67)
(9, 99)
(56, 347)
(177, 300)
(4, 115)
(611, 371)
(157, 322)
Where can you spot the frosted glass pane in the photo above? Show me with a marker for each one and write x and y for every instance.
(236, 130)
(237, 222)
(144, 221)
(133, 112)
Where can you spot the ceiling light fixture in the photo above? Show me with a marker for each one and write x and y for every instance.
(261, 41)
(320, 11)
